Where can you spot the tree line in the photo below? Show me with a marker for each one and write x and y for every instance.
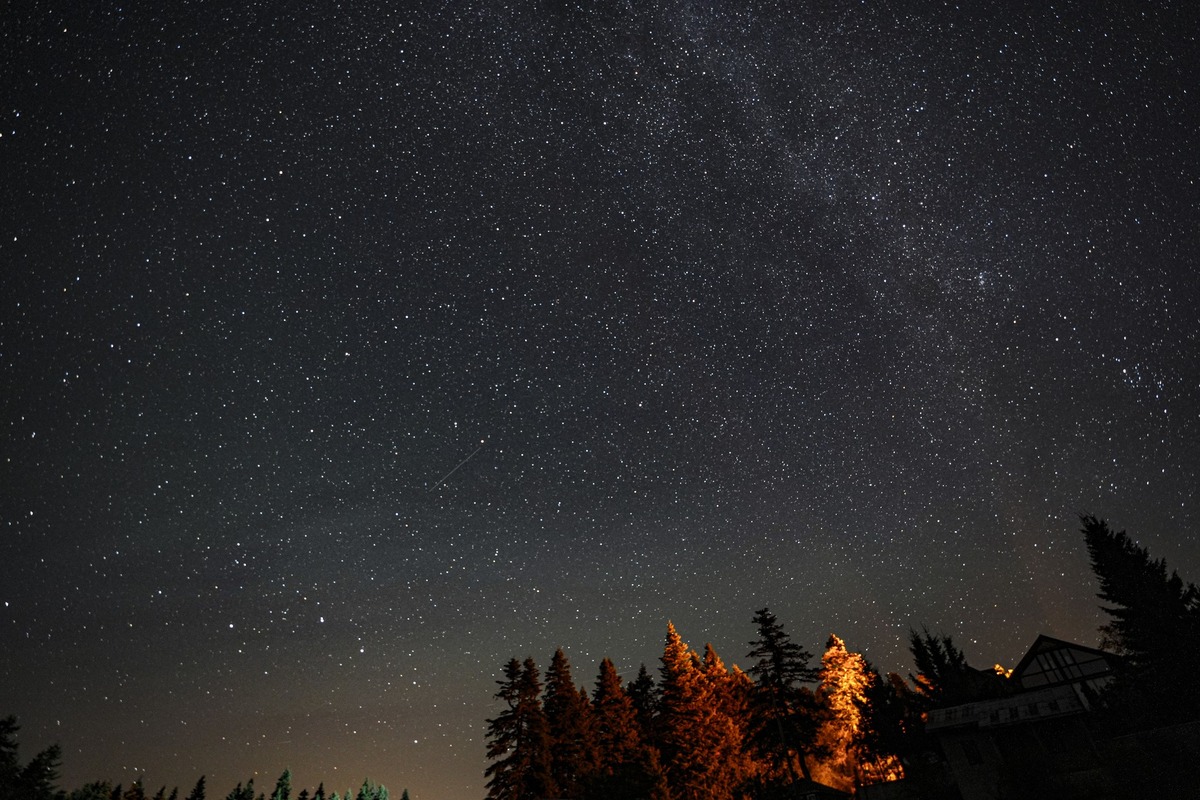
(705, 731)
(36, 781)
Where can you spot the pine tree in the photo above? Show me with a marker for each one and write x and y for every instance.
(40, 774)
(618, 734)
(283, 786)
(846, 681)
(728, 704)
(174, 795)
(892, 731)
(643, 693)
(568, 716)
(699, 742)
(944, 678)
(519, 738)
(628, 766)
(784, 713)
(1155, 626)
(319, 794)
(135, 791)
(198, 792)
(36, 780)
(96, 790)
(161, 794)
(369, 791)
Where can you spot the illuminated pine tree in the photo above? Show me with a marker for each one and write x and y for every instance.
(729, 693)
(846, 682)
(700, 743)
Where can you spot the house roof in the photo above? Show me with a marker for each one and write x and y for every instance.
(1103, 661)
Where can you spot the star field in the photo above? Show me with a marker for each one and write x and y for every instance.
(845, 310)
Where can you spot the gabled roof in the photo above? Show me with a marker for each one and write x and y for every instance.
(1047, 644)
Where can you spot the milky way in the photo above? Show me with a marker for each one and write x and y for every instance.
(848, 311)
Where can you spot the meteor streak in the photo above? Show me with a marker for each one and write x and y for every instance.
(456, 466)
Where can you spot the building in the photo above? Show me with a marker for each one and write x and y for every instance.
(1035, 741)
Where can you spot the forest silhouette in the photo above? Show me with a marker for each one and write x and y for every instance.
(704, 731)
(791, 725)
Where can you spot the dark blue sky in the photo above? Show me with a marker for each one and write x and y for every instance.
(845, 310)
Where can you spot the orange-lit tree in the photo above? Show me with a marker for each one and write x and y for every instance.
(700, 744)
(846, 680)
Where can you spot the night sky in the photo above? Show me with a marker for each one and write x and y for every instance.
(836, 308)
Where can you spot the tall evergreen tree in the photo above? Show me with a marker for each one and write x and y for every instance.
(37, 781)
(572, 741)
(699, 742)
(198, 791)
(519, 738)
(784, 713)
(34, 781)
(643, 693)
(283, 786)
(135, 791)
(846, 680)
(628, 765)
(1155, 626)
(892, 731)
(319, 794)
(729, 722)
(944, 678)
(242, 792)
(618, 734)
(369, 791)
